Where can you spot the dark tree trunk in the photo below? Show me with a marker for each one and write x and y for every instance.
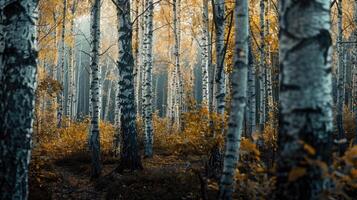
(18, 72)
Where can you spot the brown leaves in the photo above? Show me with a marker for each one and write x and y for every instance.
(296, 173)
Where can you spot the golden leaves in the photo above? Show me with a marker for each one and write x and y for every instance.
(309, 149)
(296, 173)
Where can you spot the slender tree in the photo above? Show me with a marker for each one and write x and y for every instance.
(238, 103)
(71, 66)
(178, 82)
(219, 20)
(341, 77)
(18, 72)
(355, 69)
(129, 154)
(205, 54)
(62, 65)
(251, 92)
(269, 104)
(262, 68)
(305, 98)
(148, 98)
(94, 143)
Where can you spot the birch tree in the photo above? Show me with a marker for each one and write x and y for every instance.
(268, 66)
(341, 76)
(62, 65)
(238, 103)
(251, 92)
(94, 142)
(71, 66)
(219, 20)
(140, 59)
(205, 54)
(129, 154)
(262, 68)
(148, 98)
(178, 82)
(306, 100)
(18, 72)
(355, 69)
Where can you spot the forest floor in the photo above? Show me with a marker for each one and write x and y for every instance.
(165, 176)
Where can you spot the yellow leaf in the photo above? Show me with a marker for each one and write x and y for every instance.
(296, 173)
(354, 173)
(309, 149)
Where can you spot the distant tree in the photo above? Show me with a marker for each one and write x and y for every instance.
(178, 102)
(18, 72)
(61, 65)
(148, 96)
(306, 120)
(219, 21)
(71, 67)
(355, 68)
(205, 54)
(341, 77)
(251, 107)
(262, 69)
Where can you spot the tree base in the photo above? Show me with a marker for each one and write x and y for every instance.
(129, 164)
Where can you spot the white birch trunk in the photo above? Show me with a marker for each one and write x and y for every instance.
(238, 103)
(178, 82)
(94, 144)
(305, 98)
(219, 12)
(262, 68)
(129, 154)
(205, 55)
(148, 98)
(62, 65)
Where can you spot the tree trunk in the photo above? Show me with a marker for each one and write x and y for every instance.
(129, 158)
(79, 73)
(178, 83)
(205, 55)
(262, 68)
(140, 63)
(355, 70)
(238, 103)
(251, 93)
(71, 66)
(94, 140)
(269, 105)
(219, 13)
(148, 139)
(62, 64)
(117, 125)
(18, 73)
(306, 100)
(341, 80)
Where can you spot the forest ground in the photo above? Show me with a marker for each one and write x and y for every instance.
(164, 177)
(60, 163)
